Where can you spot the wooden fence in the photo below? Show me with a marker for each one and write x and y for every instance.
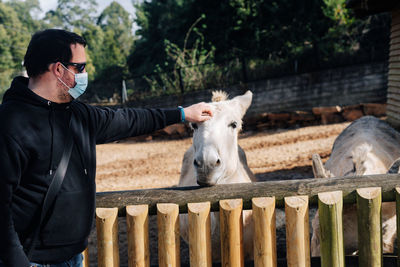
(295, 196)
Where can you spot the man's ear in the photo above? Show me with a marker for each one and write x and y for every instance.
(57, 69)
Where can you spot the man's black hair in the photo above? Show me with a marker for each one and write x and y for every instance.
(49, 46)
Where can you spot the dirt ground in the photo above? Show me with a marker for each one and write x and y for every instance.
(271, 155)
(129, 165)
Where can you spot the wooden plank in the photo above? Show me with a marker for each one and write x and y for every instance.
(394, 84)
(200, 234)
(394, 51)
(394, 59)
(394, 35)
(168, 235)
(264, 232)
(231, 223)
(393, 78)
(322, 110)
(369, 218)
(394, 115)
(394, 97)
(297, 231)
(247, 191)
(393, 87)
(330, 209)
(394, 39)
(107, 237)
(375, 109)
(393, 112)
(393, 122)
(394, 65)
(395, 27)
(137, 220)
(394, 70)
(394, 45)
(394, 104)
(393, 90)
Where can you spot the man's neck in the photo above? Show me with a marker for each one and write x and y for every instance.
(47, 90)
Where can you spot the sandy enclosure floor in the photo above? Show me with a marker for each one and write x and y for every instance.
(271, 155)
(132, 165)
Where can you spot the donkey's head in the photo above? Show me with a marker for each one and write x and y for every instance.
(215, 141)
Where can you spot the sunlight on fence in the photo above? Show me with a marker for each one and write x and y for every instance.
(368, 199)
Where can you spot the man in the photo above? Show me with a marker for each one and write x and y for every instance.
(35, 117)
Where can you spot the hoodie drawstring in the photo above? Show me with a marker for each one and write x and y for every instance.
(51, 119)
(84, 143)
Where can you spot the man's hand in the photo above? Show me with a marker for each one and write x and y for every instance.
(198, 112)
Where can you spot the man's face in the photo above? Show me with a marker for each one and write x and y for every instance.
(78, 56)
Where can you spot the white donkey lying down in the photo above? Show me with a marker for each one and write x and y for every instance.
(367, 146)
(216, 158)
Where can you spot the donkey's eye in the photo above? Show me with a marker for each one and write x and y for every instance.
(194, 126)
(233, 124)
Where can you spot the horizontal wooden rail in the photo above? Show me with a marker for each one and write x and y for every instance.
(247, 191)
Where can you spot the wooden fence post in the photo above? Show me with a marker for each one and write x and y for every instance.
(168, 235)
(200, 234)
(85, 255)
(264, 231)
(107, 237)
(231, 223)
(297, 231)
(330, 209)
(137, 221)
(369, 218)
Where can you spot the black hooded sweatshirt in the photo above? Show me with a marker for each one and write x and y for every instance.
(32, 137)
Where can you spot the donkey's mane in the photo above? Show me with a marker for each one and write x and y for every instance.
(218, 96)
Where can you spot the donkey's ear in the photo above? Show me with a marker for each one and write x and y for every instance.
(244, 101)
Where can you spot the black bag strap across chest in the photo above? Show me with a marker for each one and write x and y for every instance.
(55, 184)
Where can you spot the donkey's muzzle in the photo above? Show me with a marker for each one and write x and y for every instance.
(199, 164)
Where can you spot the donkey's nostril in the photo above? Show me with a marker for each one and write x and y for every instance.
(218, 162)
(196, 163)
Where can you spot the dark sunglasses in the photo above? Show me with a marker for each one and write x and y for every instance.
(80, 67)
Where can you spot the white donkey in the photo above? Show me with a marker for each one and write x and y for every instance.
(216, 158)
(367, 146)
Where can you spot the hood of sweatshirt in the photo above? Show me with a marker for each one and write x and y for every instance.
(19, 91)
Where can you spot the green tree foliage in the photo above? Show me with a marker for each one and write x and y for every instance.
(115, 21)
(189, 65)
(26, 11)
(200, 44)
(310, 31)
(159, 21)
(94, 37)
(72, 14)
(110, 43)
(14, 37)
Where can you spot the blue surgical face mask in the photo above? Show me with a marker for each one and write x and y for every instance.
(81, 80)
